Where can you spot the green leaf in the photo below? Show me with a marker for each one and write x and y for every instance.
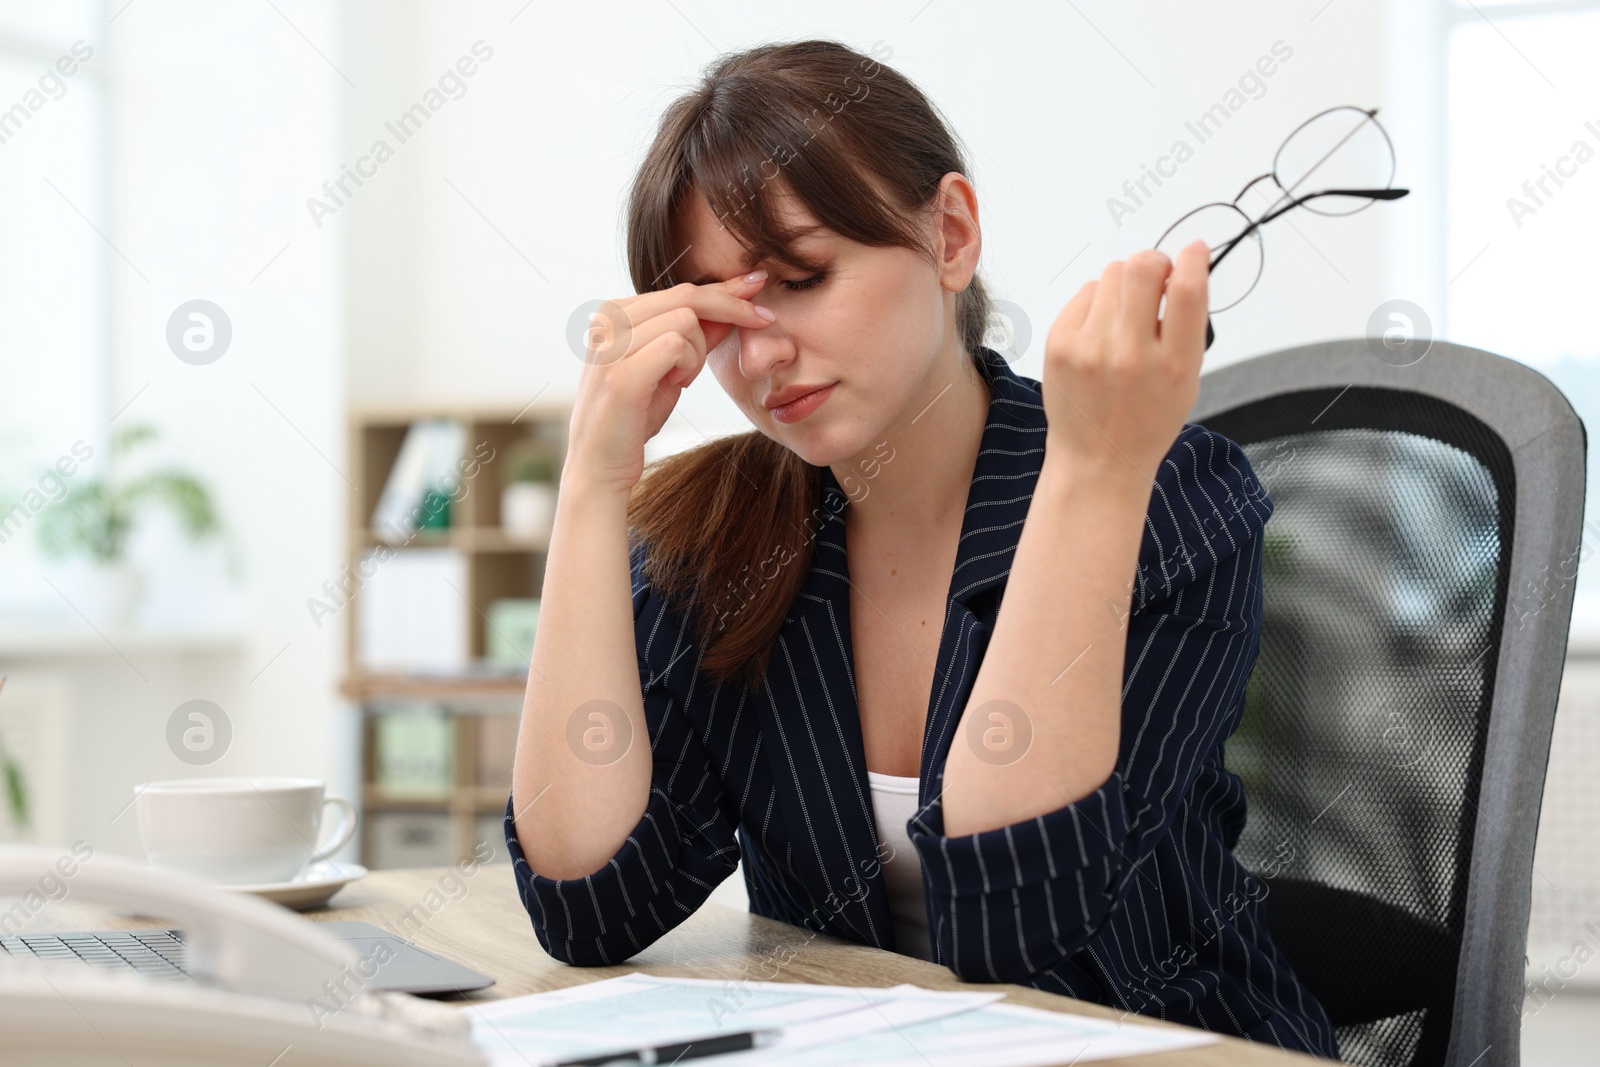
(188, 500)
(529, 460)
(131, 437)
(89, 520)
(16, 792)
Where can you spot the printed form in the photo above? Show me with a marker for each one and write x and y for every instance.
(902, 1026)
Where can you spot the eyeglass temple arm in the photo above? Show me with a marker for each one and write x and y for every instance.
(1370, 194)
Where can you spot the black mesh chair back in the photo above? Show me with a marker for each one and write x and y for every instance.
(1417, 587)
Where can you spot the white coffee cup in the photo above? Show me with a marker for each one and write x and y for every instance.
(238, 831)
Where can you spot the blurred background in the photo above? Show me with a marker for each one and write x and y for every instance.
(288, 287)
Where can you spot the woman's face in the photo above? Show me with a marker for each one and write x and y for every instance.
(872, 326)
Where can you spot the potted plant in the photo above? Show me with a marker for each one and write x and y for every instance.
(95, 520)
(528, 496)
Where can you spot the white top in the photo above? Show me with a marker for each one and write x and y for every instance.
(894, 801)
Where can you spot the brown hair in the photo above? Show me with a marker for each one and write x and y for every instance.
(729, 525)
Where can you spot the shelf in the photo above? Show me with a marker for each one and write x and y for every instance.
(477, 800)
(488, 798)
(482, 704)
(466, 538)
(494, 539)
(545, 408)
(423, 687)
(374, 798)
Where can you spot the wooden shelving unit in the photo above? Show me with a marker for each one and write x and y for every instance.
(482, 707)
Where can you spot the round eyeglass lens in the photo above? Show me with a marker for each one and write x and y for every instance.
(1235, 267)
(1342, 148)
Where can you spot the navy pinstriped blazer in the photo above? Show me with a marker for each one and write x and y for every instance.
(1129, 897)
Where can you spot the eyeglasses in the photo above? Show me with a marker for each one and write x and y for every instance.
(1351, 160)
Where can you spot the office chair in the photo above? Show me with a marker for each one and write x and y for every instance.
(1417, 587)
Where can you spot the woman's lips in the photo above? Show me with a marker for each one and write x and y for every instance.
(800, 407)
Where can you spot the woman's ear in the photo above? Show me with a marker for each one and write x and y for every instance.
(959, 240)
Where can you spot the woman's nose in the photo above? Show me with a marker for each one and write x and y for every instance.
(763, 351)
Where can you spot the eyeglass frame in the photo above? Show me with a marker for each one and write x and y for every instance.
(1273, 211)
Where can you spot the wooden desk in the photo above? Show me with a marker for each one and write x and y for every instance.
(479, 922)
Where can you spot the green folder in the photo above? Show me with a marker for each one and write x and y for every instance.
(508, 641)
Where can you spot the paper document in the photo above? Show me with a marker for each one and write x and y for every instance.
(903, 1026)
(993, 1035)
(638, 1010)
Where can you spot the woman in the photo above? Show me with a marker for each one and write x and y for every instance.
(953, 650)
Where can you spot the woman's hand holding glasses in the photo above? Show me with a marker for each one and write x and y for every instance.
(1119, 380)
(1119, 376)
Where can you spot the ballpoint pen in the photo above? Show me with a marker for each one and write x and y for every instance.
(678, 1050)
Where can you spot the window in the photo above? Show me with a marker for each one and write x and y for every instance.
(54, 266)
(1522, 174)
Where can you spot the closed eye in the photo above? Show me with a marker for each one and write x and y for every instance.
(804, 283)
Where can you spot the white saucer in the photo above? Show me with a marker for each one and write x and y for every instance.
(311, 887)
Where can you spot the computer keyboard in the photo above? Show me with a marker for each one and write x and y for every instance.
(156, 954)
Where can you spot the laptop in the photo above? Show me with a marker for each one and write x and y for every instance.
(159, 954)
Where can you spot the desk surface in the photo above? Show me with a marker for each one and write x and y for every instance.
(479, 921)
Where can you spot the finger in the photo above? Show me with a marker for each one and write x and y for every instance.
(668, 361)
(716, 332)
(734, 305)
(1142, 279)
(623, 327)
(731, 301)
(1187, 288)
(680, 364)
(1107, 299)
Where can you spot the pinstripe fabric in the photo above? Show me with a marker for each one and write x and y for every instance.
(1129, 897)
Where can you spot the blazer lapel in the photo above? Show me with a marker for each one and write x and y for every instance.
(810, 715)
(812, 733)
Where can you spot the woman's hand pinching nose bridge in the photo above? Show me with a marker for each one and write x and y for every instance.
(656, 345)
(753, 316)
